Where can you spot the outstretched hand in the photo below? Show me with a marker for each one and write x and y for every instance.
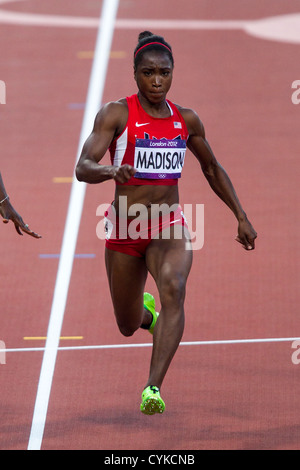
(8, 213)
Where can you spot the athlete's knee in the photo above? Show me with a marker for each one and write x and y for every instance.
(126, 331)
(173, 290)
(127, 328)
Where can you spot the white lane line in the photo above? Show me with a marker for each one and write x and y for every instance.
(94, 98)
(148, 345)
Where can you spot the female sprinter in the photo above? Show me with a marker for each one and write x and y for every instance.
(147, 136)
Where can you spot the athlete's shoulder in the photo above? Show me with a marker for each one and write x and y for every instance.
(112, 114)
(113, 109)
(192, 121)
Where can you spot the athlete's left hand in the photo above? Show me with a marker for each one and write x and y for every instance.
(246, 235)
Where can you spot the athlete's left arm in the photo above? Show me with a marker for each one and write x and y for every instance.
(217, 177)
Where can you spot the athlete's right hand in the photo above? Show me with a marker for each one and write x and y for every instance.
(123, 173)
(8, 213)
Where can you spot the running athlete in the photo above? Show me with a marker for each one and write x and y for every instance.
(8, 213)
(147, 137)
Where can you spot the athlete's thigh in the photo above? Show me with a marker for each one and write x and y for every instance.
(169, 260)
(126, 276)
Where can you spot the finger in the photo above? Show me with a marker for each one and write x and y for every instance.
(18, 229)
(27, 230)
(5, 221)
(250, 239)
(33, 234)
(119, 178)
(128, 172)
(20, 226)
(251, 244)
(247, 245)
(242, 242)
(132, 171)
(239, 240)
(123, 175)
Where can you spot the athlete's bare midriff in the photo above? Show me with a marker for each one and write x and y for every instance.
(149, 196)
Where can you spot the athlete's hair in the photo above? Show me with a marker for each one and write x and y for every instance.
(148, 41)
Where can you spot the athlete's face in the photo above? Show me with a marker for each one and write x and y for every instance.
(154, 76)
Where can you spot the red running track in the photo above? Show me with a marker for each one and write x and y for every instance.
(221, 395)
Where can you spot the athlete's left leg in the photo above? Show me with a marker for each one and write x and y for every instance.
(169, 262)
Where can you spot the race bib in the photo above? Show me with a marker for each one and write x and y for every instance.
(159, 159)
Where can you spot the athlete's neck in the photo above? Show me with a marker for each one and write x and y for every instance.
(156, 110)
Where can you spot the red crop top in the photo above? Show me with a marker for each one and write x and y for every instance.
(155, 147)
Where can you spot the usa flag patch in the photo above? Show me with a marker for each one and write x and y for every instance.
(177, 125)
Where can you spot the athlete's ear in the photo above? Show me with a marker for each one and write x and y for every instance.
(134, 73)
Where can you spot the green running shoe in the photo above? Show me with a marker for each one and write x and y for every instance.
(151, 401)
(149, 304)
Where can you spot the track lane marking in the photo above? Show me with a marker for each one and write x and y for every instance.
(76, 256)
(62, 338)
(63, 179)
(148, 345)
(94, 99)
(282, 28)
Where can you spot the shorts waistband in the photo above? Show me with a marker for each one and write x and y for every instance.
(121, 227)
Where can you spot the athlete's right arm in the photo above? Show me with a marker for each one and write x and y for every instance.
(109, 124)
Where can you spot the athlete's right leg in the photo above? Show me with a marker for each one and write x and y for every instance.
(127, 277)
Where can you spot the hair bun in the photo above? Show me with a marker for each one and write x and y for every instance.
(152, 42)
(145, 34)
